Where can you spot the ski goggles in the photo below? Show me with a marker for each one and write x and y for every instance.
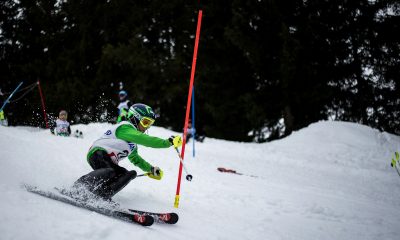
(146, 122)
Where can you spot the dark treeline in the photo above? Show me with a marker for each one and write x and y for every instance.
(268, 67)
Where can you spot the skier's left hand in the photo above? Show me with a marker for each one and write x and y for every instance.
(176, 141)
(156, 173)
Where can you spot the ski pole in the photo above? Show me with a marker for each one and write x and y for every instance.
(189, 177)
(9, 97)
(149, 175)
(142, 175)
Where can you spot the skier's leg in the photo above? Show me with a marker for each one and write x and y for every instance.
(116, 184)
(95, 179)
(100, 159)
(107, 178)
(105, 182)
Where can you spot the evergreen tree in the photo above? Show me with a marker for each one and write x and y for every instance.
(264, 67)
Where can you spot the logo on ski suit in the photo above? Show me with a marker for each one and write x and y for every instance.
(132, 146)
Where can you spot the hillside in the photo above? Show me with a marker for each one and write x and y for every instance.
(331, 180)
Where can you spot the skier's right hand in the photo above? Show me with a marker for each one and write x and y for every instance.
(156, 173)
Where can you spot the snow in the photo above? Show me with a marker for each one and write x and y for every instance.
(331, 180)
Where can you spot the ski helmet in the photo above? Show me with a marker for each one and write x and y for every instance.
(122, 95)
(63, 112)
(141, 113)
(63, 115)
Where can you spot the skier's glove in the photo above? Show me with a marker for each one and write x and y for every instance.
(176, 141)
(156, 173)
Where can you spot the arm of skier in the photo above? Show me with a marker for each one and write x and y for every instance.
(52, 127)
(127, 133)
(139, 162)
(153, 171)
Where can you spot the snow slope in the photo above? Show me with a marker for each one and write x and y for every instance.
(331, 180)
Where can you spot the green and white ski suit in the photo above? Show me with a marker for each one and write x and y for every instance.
(122, 141)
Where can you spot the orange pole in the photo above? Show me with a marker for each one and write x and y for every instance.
(43, 104)
(196, 45)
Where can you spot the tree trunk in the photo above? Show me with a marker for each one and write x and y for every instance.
(288, 120)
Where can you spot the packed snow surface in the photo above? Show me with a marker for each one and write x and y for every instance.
(331, 180)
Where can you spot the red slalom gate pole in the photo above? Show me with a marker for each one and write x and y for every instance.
(43, 104)
(196, 46)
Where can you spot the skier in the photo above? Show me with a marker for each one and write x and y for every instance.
(61, 126)
(123, 106)
(191, 133)
(118, 142)
(3, 120)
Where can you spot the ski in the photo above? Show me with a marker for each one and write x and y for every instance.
(169, 218)
(142, 219)
(225, 170)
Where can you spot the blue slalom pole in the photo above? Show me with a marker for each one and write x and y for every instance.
(193, 117)
(9, 97)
